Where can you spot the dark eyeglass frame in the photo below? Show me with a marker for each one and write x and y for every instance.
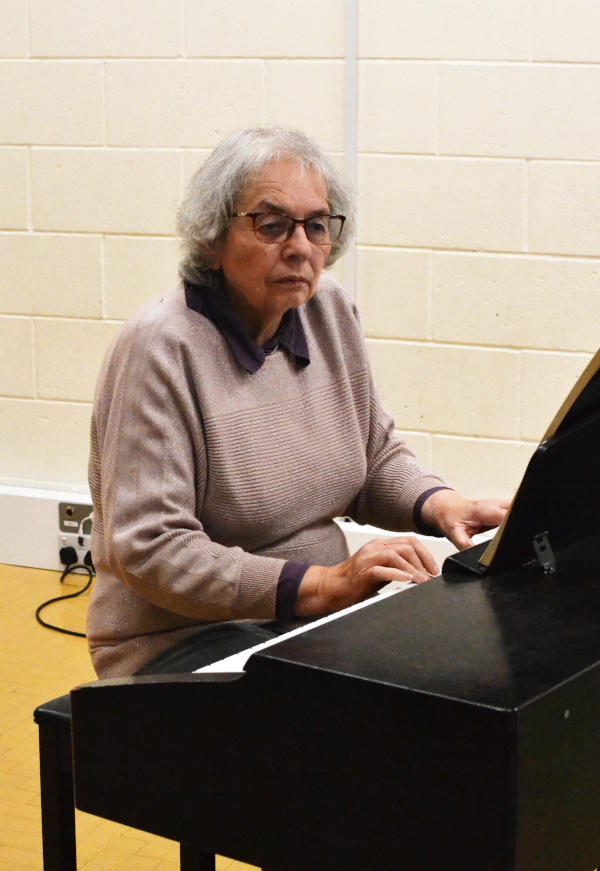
(292, 226)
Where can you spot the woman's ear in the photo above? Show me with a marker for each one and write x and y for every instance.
(213, 257)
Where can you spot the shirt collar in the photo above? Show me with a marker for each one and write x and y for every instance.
(216, 306)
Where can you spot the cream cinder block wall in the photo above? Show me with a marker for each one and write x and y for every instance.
(106, 108)
(478, 174)
(479, 221)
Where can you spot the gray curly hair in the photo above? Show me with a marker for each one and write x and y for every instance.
(215, 188)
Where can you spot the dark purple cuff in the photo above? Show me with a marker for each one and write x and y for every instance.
(287, 589)
(419, 524)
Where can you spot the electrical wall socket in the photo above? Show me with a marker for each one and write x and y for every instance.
(75, 528)
(71, 539)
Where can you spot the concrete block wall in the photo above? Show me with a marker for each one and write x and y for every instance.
(479, 221)
(478, 174)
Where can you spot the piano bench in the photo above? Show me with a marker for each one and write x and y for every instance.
(57, 797)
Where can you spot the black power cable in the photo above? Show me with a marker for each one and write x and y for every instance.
(70, 568)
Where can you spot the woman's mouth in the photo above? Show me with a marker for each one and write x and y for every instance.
(293, 279)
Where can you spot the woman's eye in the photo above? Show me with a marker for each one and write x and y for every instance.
(272, 226)
(318, 227)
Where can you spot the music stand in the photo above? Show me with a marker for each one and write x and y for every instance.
(557, 504)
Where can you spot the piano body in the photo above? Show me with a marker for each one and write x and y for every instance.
(454, 725)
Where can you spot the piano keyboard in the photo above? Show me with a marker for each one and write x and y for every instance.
(237, 661)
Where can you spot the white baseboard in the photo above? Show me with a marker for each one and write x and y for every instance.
(29, 525)
(29, 528)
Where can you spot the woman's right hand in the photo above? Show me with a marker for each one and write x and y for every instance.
(329, 588)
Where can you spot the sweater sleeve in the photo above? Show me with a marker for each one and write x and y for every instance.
(148, 470)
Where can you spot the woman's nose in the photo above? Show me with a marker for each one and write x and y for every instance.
(298, 243)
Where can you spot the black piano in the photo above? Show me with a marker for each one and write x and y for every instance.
(454, 725)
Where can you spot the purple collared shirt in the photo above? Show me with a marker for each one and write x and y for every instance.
(216, 306)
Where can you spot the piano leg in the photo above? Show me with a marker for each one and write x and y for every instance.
(58, 804)
(192, 859)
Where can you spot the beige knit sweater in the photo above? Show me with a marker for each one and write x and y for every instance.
(206, 478)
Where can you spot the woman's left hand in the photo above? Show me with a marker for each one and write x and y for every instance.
(459, 518)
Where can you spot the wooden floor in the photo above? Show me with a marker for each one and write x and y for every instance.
(37, 664)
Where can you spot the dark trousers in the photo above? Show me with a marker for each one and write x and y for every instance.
(209, 644)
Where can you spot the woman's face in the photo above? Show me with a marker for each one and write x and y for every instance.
(264, 280)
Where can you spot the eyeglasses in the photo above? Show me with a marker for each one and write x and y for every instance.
(273, 228)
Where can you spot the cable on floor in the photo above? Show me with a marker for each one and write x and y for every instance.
(67, 571)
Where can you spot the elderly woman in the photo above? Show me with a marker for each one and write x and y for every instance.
(235, 417)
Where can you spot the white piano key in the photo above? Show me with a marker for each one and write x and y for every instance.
(237, 661)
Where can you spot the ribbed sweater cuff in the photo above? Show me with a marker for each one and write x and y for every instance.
(287, 589)
(418, 520)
